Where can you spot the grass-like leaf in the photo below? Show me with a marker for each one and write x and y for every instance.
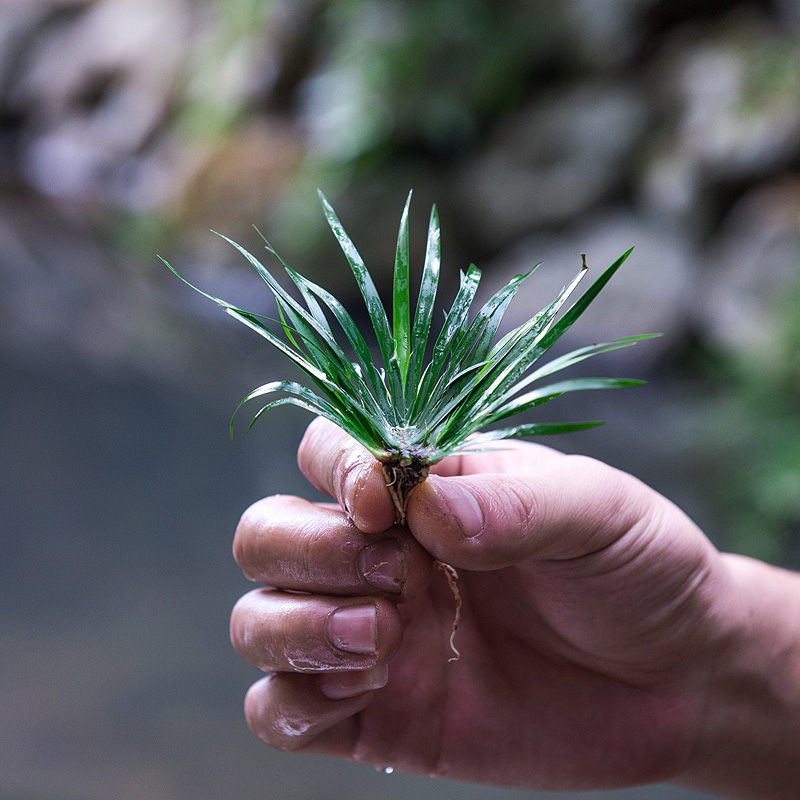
(410, 412)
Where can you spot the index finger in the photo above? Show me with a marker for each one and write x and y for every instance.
(342, 468)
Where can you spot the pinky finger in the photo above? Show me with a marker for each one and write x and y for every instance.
(289, 711)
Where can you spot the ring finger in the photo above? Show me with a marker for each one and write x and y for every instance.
(283, 632)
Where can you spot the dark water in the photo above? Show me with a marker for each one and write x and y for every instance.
(118, 499)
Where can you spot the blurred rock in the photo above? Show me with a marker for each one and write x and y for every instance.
(753, 271)
(237, 184)
(608, 32)
(201, 116)
(648, 294)
(64, 296)
(738, 94)
(553, 161)
(789, 12)
(96, 88)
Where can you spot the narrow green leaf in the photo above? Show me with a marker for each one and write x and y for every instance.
(351, 331)
(401, 302)
(318, 339)
(534, 429)
(377, 312)
(343, 422)
(432, 409)
(510, 358)
(301, 361)
(313, 306)
(457, 316)
(335, 393)
(582, 303)
(288, 331)
(474, 344)
(581, 354)
(295, 401)
(455, 323)
(427, 296)
(527, 333)
(253, 323)
(299, 318)
(481, 333)
(290, 387)
(565, 361)
(546, 393)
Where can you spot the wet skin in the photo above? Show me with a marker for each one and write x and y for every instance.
(595, 617)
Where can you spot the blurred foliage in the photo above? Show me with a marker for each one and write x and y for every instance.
(749, 430)
(426, 74)
(764, 403)
(217, 67)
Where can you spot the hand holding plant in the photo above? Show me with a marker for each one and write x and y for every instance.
(605, 642)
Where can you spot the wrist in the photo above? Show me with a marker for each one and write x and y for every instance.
(747, 742)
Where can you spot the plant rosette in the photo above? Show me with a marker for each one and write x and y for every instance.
(427, 397)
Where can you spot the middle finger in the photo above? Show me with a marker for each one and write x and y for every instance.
(289, 543)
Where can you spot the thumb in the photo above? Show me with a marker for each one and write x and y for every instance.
(564, 508)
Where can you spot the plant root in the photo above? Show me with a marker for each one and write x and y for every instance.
(402, 477)
(452, 577)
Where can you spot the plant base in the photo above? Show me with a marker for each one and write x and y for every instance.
(403, 475)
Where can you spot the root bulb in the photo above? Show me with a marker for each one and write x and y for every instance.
(402, 477)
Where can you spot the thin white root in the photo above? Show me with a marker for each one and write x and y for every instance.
(402, 477)
(374, 569)
(452, 576)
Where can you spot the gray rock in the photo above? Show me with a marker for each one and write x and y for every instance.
(753, 272)
(740, 114)
(651, 293)
(96, 88)
(553, 161)
(606, 31)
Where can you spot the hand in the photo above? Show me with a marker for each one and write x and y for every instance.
(600, 632)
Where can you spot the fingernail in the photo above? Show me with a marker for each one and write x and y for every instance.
(383, 566)
(462, 505)
(354, 629)
(339, 685)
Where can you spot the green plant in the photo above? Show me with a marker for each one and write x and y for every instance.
(415, 410)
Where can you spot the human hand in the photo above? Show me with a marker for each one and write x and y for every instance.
(595, 619)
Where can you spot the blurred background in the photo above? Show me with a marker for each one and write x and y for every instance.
(541, 128)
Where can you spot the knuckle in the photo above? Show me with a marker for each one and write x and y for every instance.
(521, 506)
(342, 468)
(586, 466)
(318, 435)
(254, 525)
(271, 720)
(241, 633)
(305, 445)
(249, 523)
(350, 472)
